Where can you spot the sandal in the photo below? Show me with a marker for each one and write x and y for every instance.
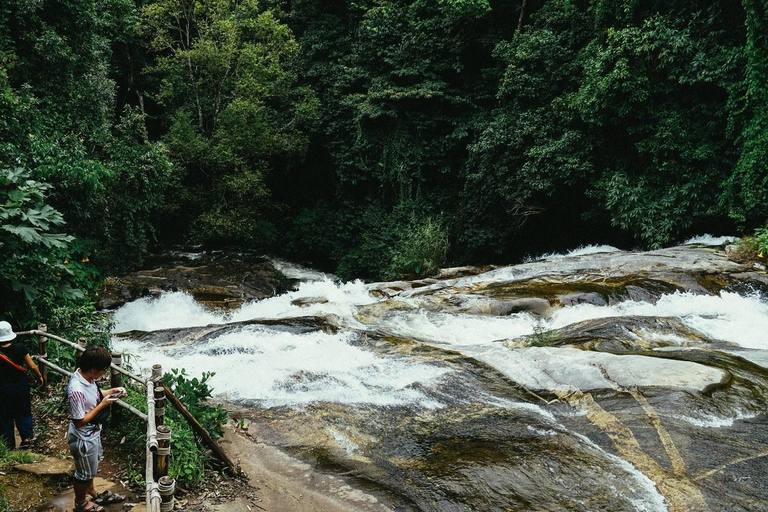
(108, 497)
(83, 507)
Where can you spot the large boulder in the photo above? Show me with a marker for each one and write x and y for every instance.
(222, 283)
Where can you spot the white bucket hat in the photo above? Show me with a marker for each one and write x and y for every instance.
(6, 333)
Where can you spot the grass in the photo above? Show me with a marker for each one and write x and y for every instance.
(542, 337)
(11, 457)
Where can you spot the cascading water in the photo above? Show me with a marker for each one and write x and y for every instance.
(608, 402)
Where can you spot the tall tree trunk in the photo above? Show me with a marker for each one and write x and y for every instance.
(522, 15)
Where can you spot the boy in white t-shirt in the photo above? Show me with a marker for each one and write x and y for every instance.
(85, 402)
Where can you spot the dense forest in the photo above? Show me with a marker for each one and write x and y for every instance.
(372, 138)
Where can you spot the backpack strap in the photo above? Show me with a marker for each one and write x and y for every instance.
(30, 378)
(20, 368)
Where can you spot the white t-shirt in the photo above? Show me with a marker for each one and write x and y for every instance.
(82, 396)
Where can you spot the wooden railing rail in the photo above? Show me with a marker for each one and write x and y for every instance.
(77, 347)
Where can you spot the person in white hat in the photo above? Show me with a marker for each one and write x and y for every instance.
(14, 389)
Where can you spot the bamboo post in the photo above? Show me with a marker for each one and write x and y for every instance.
(151, 427)
(157, 373)
(115, 377)
(153, 494)
(42, 345)
(81, 342)
(116, 381)
(160, 457)
(167, 486)
(159, 405)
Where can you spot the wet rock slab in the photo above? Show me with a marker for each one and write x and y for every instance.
(607, 279)
(617, 414)
(551, 369)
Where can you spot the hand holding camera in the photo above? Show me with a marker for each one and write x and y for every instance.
(119, 393)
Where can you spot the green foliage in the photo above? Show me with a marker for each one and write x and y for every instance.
(236, 112)
(746, 191)
(400, 85)
(623, 119)
(528, 149)
(72, 323)
(755, 247)
(638, 93)
(41, 266)
(761, 241)
(53, 406)
(57, 120)
(542, 337)
(421, 249)
(313, 128)
(10, 457)
(187, 461)
(193, 393)
(109, 194)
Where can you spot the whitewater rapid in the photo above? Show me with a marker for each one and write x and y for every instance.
(400, 384)
(284, 368)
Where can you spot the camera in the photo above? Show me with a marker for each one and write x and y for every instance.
(119, 394)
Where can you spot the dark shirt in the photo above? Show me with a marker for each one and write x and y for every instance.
(16, 352)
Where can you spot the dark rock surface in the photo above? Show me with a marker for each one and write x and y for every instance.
(223, 283)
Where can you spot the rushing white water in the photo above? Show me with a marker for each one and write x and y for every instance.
(293, 369)
(580, 251)
(710, 421)
(179, 309)
(295, 271)
(280, 368)
(710, 240)
(174, 309)
(728, 317)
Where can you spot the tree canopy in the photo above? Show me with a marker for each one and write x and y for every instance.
(377, 138)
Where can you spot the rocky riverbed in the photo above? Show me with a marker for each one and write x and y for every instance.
(614, 380)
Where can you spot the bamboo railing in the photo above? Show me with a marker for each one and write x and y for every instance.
(160, 488)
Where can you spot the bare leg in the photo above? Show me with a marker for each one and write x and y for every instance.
(81, 489)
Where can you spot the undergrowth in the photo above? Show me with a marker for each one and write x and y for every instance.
(753, 248)
(187, 463)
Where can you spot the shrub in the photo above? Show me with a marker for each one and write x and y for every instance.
(753, 248)
(187, 463)
(73, 322)
(40, 267)
(193, 393)
(420, 251)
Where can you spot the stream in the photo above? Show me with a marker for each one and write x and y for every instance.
(597, 380)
